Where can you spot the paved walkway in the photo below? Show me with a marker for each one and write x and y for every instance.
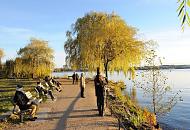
(70, 112)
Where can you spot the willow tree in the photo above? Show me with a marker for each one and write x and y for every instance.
(105, 41)
(183, 12)
(1, 56)
(36, 57)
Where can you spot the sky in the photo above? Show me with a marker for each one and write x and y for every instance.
(48, 20)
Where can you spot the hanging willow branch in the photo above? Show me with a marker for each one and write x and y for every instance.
(183, 12)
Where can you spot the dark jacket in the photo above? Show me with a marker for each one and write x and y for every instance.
(99, 86)
(21, 100)
(74, 76)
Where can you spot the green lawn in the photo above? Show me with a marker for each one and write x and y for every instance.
(7, 91)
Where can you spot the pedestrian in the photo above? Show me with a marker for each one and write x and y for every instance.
(74, 78)
(77, 78)
(82, 85)
(100, 83)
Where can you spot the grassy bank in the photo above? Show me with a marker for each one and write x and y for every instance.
(7, 91)
(126, 108)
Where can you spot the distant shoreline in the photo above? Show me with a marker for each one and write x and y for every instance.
(137, 68)
(165, 67)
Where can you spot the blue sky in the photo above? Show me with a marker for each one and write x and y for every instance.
(50, 19)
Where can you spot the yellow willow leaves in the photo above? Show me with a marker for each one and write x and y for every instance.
(1, 53)
(36, 58)
(103, 39)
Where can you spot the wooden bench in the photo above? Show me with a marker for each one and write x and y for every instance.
(25, 112)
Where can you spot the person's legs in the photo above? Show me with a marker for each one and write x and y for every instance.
(102, 109)
(45, 91)
(33, 111)
(82, 92)
(99, 105)
(102, 106)
(59, 88)
(99, 109)
(51, 94)
(73, 81)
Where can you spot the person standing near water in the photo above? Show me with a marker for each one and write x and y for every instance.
(100, 83)
(74, 78)
(77, 78)
(82, 85)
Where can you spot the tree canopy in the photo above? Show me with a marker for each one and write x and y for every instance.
(1, 53)
(103, 40)
(1, 56)
(35, 59)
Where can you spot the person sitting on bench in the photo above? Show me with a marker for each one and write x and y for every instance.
(49, 87)
(56, 84)
(41, 89)
(23, 102)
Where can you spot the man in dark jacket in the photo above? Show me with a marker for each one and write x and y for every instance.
(100, 83)
(22, 101)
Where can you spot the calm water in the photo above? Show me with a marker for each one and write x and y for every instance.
(179, 117)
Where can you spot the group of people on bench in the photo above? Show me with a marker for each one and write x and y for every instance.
(48, 88)
(24, 103)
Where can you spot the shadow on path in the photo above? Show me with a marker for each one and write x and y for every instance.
(85, 110)
(84, 116)
(63, 121)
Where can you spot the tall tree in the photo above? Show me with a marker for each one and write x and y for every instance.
(105, 41)
(36, 57)
(154, 83)
(1, 56)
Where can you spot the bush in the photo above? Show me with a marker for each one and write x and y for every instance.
(128, 111)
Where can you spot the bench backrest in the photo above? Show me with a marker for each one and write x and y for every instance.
(29, 95)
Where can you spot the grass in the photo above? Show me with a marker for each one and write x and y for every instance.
(7, 91)
(128, 110)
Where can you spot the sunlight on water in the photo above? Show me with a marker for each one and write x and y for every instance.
(179, 117)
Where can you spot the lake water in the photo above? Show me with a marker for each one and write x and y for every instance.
(179, 117)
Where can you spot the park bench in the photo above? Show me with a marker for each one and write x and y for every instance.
(39, 93)
(27, 111)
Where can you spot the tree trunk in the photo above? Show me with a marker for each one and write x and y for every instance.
(154, 90)
(106, 69)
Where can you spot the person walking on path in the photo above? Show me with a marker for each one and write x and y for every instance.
(74, 78)
(82, 85)
(100, 83)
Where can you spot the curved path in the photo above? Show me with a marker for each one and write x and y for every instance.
(70, 112)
